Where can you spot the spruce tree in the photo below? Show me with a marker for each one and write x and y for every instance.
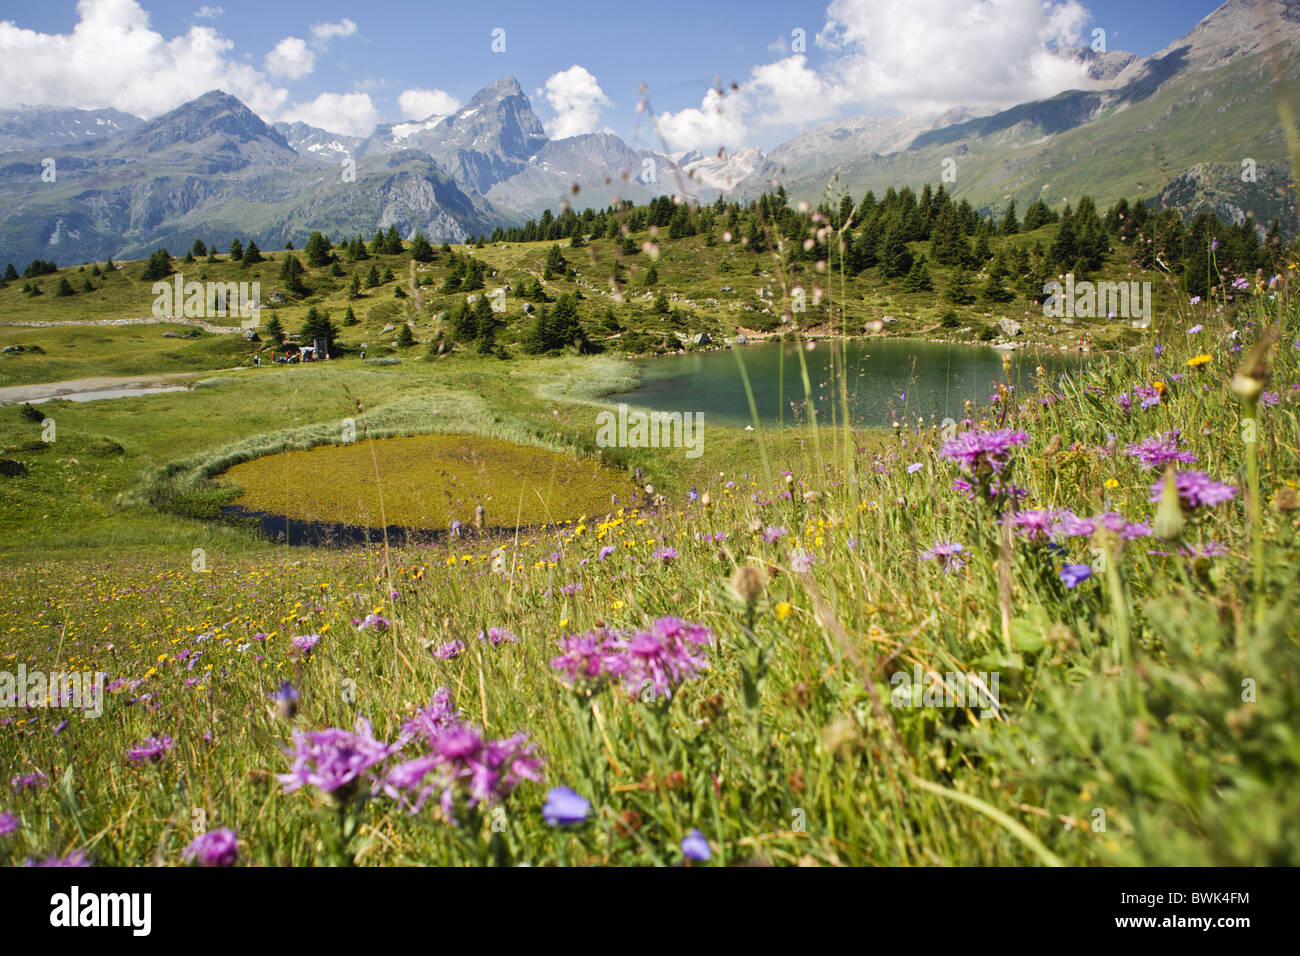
(252, 254)
(158, 267)
(236, 250)
(318, 251)
(275, 331)
(958, 291)
(421, 250)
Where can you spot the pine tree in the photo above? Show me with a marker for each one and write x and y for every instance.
(86, 286)
(372, 277)
(404, 337)
(895, 260)
(11, 274)
(918, 278)
(198, 250)
(252, 254)
(275, 331)
(318, 251)
(354, 287)
(555, 264)
(349, 317)
(652, 275)
(1065, 247)
(291, 275)
(958, 291)
(393, 241)
(421, 251)
(158, 267)
(1009, 226)
(318, 325)
(236, 250)
(65, 288)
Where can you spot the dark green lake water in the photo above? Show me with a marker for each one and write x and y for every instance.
(934, 378)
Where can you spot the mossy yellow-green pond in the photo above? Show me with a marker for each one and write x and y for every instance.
(428, 481)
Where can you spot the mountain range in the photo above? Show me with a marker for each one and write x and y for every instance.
(1179, 127)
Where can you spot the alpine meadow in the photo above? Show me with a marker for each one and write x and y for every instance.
(467, 438)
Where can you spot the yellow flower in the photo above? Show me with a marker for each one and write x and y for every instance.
(783, 610)
(1112, 483)
(1197, 360)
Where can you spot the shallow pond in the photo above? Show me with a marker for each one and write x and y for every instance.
(915, 378)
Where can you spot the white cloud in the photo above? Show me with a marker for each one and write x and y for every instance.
(322, 33)
(789, 92)
(113, 58)
(350, 113)
(920, 56)
(417, 104)
(291, 58)
(577, 100)
(208, 13)
(718, 122)
(931, 55)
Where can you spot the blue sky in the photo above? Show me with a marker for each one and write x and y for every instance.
(352, 70)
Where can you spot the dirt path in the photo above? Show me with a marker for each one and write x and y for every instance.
(133, 384)
(139, 320)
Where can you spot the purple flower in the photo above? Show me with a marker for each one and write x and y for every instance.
(430, 721)
(462, 763)
(914, 467)
(35, 780)
(978, 451)
(586, 657)
(696, 847)
(373, 622)
(214, 848)
(692, 495)
(947, 553)
(8, 823)
(1269, 399)
(149, 750)
(75, 858)
(563, 807)
(335, 761)
(1125, 402)
(773, 532)
(1194, 329)
(286, 700)
(305, 642)
(1070, 525)
(1149, 394)
(1075, 574)
(1160, 450)
(605, 552)
(802, 561)
(661, 657)
(495, 635)
(1196, 489)
(449, 651)
(666, 555)
(1033, 523)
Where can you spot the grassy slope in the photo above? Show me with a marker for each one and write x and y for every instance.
(690, 272)
(1125, 735)
(1130, 150)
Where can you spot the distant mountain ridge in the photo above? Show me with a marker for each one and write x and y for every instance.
(1173, 126)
